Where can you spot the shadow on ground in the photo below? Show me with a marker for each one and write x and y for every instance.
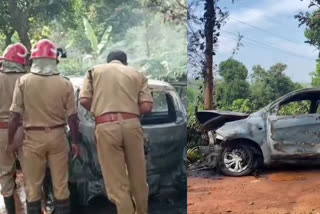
(213, 173)
(164, 204)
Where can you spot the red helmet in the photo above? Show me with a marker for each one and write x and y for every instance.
(44, 49)
(15, 53)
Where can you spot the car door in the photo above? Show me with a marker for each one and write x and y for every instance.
(165, 134)
(293, 130)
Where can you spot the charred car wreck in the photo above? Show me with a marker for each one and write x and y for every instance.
(165, 136)
(287, 129)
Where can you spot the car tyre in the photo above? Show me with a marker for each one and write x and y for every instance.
(237, 159)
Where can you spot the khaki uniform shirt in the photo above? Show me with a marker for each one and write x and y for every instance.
(43, 100)
(115, 88)
(7, 83)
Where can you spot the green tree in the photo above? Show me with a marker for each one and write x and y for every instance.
(316, 76)
(243, 105)
(312, 33)
(234, 84)
(166, 56)
(173, 11)
(312, 23)
(26, 15)
(270, 85)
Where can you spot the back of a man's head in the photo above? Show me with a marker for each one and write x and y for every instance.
(118, 55)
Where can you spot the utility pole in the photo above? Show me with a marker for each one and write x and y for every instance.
(210, 19)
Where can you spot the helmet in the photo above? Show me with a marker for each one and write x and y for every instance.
(15, 53)
(44, 49)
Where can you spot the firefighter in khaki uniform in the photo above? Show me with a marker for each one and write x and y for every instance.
(117, 95)
(46, 101)
(13, 67)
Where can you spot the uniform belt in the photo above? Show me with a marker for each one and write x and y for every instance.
(44, 128)
(5, 125)
(111, 117)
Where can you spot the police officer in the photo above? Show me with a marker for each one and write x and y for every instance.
(117, 95)
(46, 101)
(13, 67)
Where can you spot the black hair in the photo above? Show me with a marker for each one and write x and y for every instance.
(117, 55)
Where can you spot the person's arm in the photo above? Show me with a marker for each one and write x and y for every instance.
(145, 97)
(16, 110)
(73, 121)
(86, 103)
(145, 107)
(86, 92)
(14, 123)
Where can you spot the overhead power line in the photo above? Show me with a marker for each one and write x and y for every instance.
(262, 30)
(263, 45)
(254, 40)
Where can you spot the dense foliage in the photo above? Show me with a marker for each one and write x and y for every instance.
(234, 84)
(154, 39)
(311, 20)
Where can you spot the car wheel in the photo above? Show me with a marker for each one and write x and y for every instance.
(237, 160)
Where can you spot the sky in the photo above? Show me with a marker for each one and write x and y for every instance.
(271, 35)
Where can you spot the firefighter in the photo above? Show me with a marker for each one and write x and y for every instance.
(117, 95)
(13, 66)
(46, 101)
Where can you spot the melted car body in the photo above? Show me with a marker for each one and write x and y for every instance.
(287, 129)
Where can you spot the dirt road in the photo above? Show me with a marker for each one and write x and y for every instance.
(285, 190)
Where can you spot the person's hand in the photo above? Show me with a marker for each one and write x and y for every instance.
(75, 150)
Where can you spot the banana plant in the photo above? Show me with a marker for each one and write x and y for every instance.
(96, 46)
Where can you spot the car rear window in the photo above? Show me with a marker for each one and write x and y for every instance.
(163, 109)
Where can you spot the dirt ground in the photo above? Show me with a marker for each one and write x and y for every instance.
(282, 190)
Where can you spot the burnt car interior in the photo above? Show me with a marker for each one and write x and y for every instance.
(299, 104)
(163, 109)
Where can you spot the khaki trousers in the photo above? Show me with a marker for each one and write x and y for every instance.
(8, 162)
(121, 156)
(42, 149)
(7, 166)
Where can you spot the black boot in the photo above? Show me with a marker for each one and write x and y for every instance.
(62, 206)
(34, 207)
(10, 205)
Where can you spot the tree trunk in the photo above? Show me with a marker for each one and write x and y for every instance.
(24, 37)
(19, 22)
(8, 35)
(209, 16)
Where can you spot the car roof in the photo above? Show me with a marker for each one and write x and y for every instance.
(155, 85)
(294, 93)
(306, 90)
(299, 91)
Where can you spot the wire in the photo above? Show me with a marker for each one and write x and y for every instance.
(260, 29)
(268, 45)
(263, 45)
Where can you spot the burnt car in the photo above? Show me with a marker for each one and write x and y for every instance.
(286, 130)
(165, 146)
